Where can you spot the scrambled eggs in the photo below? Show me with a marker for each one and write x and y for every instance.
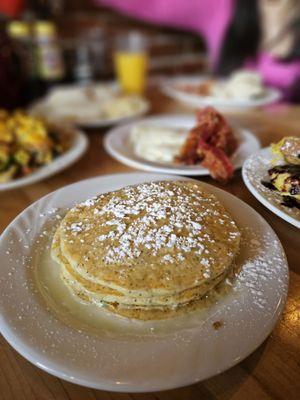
(26, 143)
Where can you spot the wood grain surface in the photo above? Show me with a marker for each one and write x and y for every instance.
(271, 372)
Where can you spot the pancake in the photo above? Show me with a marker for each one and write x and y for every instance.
(140, 312)
(148, 249)
(99, 293)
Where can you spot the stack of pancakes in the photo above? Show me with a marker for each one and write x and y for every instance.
(146, 251)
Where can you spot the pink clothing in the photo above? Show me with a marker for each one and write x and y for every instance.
(210, 18)
(274, 72)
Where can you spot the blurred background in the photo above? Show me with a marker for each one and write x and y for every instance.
(48, 42)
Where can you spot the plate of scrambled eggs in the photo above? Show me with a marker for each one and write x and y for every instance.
(31, 150)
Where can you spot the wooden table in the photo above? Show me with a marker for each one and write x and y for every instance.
(271, 372)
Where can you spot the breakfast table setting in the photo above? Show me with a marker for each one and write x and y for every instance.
(269, 369)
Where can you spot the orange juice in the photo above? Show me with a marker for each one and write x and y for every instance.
(131, 69)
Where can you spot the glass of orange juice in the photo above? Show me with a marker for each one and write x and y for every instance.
(131, 62)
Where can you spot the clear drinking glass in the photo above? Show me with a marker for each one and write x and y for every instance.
(131, 62)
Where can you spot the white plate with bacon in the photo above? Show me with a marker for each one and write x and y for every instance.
(183, 145)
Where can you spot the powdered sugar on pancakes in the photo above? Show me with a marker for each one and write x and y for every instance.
(146, 229)
(165, 236)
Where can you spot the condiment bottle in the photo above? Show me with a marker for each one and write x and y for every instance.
(50, 66)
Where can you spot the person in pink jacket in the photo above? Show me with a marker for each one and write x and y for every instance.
(261, 35)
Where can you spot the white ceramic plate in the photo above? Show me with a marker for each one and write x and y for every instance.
(255, 169)
(61, 162)
(41, 108)
(132, 355)
(117, 144)
(194, 100)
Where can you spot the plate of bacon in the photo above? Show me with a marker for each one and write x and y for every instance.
(183, 144)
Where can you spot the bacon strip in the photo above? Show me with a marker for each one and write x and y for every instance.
(210, 143)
